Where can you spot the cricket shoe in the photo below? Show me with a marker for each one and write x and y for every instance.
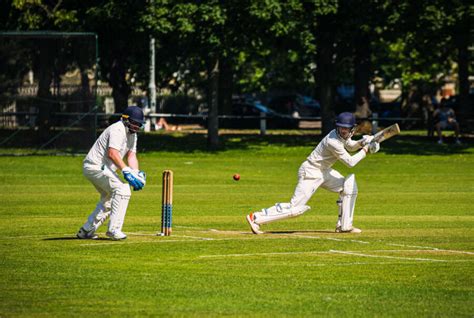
(117, 235)
(254, 226)
(86, 235)
(352, 230)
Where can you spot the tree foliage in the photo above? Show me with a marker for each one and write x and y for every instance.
(263, 46)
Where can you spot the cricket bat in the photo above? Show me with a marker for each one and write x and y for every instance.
(387, 133)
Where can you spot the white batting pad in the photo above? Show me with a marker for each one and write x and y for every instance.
(120, 199)
(348, 196)
(97, 217)
(279, 211)
(339, 206)
(101, 218)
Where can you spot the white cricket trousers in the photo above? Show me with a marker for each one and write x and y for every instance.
(310, 178)
(114, 197)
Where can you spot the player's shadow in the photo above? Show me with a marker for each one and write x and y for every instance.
(60, 238)
(73, 238)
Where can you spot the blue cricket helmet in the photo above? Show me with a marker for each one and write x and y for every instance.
(346, 120)
(134, 113)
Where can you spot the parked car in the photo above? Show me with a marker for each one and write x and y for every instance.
(248, 106)
(296, 105)
(251, 107)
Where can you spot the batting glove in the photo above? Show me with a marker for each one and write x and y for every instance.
(366, 139)
(374, 147)
(132, 178)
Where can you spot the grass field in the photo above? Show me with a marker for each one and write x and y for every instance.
(414, 258)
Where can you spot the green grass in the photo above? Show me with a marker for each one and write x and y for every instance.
(415, 257)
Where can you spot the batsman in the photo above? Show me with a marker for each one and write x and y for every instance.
(116, 143)
(316, 172)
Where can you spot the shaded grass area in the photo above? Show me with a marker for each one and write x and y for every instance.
(414, 258)
(74, 142)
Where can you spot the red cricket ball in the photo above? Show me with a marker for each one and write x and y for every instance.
(236, 177)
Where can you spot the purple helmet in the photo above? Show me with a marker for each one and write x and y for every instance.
(345, 119)
(135, 114)
(133, 118)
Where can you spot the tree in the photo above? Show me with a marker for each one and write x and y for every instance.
(122, 42)
(40, 15)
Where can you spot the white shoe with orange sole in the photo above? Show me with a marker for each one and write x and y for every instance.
(254, 226)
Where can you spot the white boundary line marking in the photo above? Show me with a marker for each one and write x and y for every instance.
(352, 240)
(433, 248)
(361, 263)
(391, 257)
(190, 227)
(355, 253)
(198, 237)
(328, 238)
(263, 254)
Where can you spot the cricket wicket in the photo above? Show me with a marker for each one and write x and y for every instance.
(167, 203)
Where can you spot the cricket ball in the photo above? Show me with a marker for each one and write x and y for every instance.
(236, 177)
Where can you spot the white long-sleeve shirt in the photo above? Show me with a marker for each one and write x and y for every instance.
(333, 148)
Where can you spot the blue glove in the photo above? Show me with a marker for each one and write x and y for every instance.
(141, 177)
(132, 178)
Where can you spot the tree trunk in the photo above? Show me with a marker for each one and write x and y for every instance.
(213, 97)
(120, 88)
(324, 72)
(226, 86)
(361, 67)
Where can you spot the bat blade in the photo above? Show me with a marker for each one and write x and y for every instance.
(387, 133)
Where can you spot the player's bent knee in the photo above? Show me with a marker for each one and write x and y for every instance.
(298, 210)
(123, 190)
(350, 185)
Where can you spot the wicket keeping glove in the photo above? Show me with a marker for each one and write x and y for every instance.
(141, 176)
(132, 178)
(366, 139)
(374, 147)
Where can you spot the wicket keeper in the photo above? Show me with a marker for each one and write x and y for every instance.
(316, 172)
(107, 155)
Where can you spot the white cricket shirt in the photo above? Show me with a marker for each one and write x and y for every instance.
(115, 136)
(333, 148)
